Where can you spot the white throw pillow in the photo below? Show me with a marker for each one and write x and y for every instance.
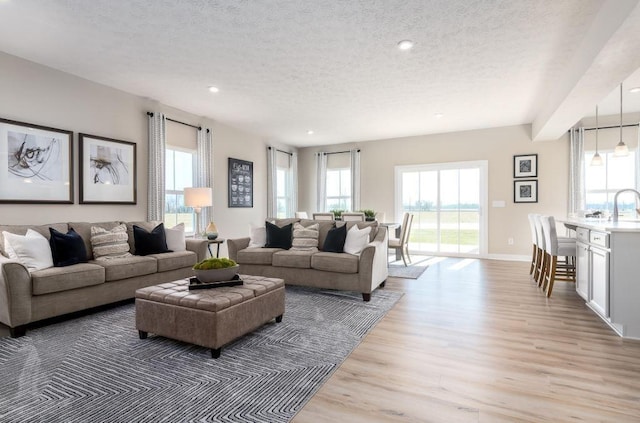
(32, 249)
(357, 239)
(175, 238)
(258, 237)
(305, 238)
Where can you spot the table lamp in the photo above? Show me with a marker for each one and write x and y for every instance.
(198, 198)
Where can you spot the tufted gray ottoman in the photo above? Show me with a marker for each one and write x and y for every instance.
(208, 317)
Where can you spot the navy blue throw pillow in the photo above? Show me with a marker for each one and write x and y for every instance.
(154, 242)
(278, 237)
(334, 242)
(67, 249)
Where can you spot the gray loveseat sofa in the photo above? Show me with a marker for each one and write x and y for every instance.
(27, 297)
(342, 271)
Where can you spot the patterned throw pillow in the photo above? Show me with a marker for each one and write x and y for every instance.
(305, 238)
(111, 244)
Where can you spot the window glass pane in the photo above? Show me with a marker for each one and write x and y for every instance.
(333, 183)
(183, 170)
(345, 182)
(411, 190)
(621, 171)
(168, 171)
(281, 190)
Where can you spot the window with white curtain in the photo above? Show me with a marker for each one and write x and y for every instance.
(339, 189)
(284, 185)
(179, 167)
(602, 182)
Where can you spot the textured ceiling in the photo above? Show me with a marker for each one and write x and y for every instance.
(284, 67)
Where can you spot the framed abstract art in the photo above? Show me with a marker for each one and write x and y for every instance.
(107, 171)
(36, 163)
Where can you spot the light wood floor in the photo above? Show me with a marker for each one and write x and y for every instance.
(476, 341)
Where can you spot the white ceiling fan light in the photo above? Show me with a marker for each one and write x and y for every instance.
(406, 45)
(213, 89)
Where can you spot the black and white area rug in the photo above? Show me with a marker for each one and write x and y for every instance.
(95, 369)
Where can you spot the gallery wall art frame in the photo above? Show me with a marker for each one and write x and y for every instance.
(240, 179)
(108, 169)
(525, 191)
(36, 164)
(525, 166)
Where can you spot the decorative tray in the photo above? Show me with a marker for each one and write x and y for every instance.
(194, 283)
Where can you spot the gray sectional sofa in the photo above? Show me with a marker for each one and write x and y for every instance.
(27, 297)
(342, 271)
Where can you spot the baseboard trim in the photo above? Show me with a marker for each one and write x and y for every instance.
(508, 257)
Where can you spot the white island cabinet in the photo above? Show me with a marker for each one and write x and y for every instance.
(608, 271)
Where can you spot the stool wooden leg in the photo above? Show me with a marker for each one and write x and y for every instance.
(551, 276)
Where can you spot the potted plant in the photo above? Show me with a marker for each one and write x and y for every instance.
(337, 213)
(369, 215)
(215, 269)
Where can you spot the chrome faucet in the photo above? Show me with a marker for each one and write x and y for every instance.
(615, 201)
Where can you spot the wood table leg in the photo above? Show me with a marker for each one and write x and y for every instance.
(215, 352)
(279, 319)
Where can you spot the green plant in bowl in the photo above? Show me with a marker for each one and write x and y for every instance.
(369, 214)
(214, 263)
(215, 269)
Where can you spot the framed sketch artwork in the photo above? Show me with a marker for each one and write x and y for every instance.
(240, 183)
(525, 191)
(36, 163)
(525, 166)
(107, 171)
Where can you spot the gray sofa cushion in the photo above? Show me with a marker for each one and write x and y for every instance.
(257, 255)
(293, 258)
(22, 230)
(56, 279)
(335, 262)
(84, 230)
(175, 260)
(129, 267)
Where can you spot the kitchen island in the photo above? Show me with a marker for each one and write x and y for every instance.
(608, 271)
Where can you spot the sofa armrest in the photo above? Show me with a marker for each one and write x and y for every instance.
(15, 293)
(373, 261)
(198, 246)
(235, 245)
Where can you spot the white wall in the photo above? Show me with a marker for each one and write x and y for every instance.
(497, 145)
(37, 94)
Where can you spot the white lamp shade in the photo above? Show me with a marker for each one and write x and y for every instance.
(198, 197)
(621, 150)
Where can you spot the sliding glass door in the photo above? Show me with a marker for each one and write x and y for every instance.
(448, 201)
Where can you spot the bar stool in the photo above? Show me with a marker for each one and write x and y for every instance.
(552, 250)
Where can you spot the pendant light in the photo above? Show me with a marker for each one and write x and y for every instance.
(621, 149)
(596, 160)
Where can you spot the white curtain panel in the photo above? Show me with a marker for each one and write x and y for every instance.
(576, 171)
(293, 174)
(355, 180)
(157, 141)
(638, 161)
(321, 175)
(272, 201)
(204, 170)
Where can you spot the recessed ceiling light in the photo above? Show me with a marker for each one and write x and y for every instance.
(213, 89)
(309, 132)
(635, 90)
(405, 45)
(438, 115)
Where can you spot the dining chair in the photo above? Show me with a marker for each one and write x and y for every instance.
(352, 217)
(322, 216)
(552, 250)
(536, 254)
(301, 215)
(402, 244)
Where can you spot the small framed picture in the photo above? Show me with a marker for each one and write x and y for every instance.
(525, 166)
(525, 191)
(240, 183)
(36, 163)
(107, 171)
